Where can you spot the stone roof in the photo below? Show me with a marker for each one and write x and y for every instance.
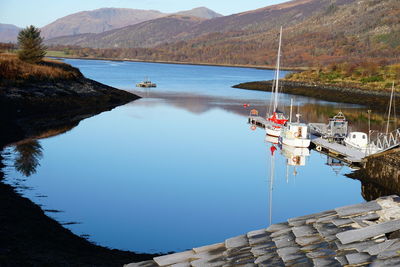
(356, 235)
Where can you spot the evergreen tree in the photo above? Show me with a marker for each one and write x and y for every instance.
(31, 45)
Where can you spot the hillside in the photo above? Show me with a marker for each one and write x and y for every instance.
(97, 21)
(315, 32)
(8, 33)
(145, 34)
(200, 12)
(105, 19)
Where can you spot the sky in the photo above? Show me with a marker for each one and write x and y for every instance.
(39, 13)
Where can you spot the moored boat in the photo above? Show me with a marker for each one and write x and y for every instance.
(276, 118)
(295, 134)
(146, 83)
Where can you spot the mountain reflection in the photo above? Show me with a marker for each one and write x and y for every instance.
(28, 156)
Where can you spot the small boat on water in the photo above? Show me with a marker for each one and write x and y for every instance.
(295, 134)
(146, 83)
(276, 119)
(336, 129)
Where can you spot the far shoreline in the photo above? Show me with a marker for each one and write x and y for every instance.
(184, 63)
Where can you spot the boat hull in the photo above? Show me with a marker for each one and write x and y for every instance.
(273, 131)
(296, 142)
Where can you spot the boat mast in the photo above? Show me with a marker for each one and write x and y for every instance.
(278, 63)
(271, 185)
(390, 109)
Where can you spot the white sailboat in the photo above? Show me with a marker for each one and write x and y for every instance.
(276, 118)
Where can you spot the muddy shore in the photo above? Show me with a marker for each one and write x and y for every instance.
(375, 100)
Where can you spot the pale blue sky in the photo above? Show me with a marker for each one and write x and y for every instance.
(41, 12)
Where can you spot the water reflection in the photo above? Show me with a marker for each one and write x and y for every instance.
(336, 164)
(27, 157)
(380, 176)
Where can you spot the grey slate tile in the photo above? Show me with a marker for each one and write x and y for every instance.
(238, 241)
(358, 209)
(174, 258)
(308, 240)
(305, 230)
(378, 248)
(277, 227)
(281, 232)
(368, 232)
(358, 258)
(325, 262)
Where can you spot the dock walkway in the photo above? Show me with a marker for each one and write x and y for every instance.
(365, 234)
(342, 152)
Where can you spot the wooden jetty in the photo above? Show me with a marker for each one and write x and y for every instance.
(344, 153)
(365, 234)
(258, 121)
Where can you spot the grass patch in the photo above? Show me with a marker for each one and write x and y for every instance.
(56, 54)
(13, 69)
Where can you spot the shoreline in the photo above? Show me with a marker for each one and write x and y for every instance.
(39, 107)
(368, 98)
(184, 63)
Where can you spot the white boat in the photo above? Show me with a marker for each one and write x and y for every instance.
(146, 83)
(295, 134)
(276, 118)
(362, 141)
(357, 140)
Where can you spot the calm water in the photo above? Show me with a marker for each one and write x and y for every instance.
(179, 168)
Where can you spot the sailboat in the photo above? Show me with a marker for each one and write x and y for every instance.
(276, 119)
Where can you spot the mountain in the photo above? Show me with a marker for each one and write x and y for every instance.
(145, 34)
(200, 12)
(8, 33)
(97, 21)
(243, 24)
(105, 19)
(315, 32)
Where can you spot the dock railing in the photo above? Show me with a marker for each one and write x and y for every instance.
(383, 142)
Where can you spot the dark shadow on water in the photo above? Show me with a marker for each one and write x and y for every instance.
(380, 176)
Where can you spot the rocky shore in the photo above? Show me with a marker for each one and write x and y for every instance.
(27, 108)
(376, 100)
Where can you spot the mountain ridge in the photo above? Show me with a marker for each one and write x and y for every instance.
(8, 33)
(105, 19)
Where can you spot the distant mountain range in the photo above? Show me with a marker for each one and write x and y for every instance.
(100, 20)
(315, 32)
(105, 19)
(8, 33)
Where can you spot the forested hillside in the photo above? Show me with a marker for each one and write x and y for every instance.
(315, 32)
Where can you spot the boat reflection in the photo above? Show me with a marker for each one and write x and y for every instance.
(295, 156)
(335, 164)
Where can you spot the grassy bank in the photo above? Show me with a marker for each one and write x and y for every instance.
(364, 75)
(13, 70)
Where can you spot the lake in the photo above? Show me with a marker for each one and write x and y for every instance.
(179, 168)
